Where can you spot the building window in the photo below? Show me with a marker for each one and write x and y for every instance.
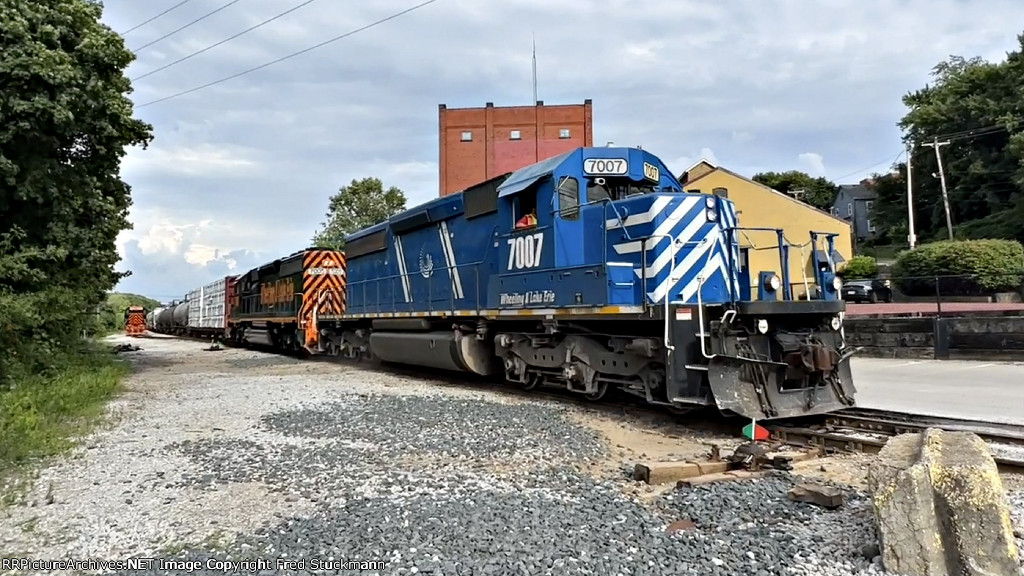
(467, 136)
(563, 133)
(871, 227)
(515, 135)
(849, 209)
(868, 205)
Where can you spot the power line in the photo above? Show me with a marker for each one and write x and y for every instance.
(901, 152)
(211, 46)
(137, 26)
(292, 55)
(197, 20)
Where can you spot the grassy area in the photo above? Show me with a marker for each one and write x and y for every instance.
(42, 415)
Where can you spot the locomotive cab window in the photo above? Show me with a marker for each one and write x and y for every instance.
(569, 198)
(525, 208)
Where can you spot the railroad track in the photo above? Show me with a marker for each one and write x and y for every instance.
(867, 430)
(851, 430)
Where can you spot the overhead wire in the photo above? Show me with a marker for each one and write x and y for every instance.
(880, 162)
(289, 56)
(212, 46)
(137, 26)
(196, 21)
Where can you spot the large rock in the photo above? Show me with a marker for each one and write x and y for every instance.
(941, 508)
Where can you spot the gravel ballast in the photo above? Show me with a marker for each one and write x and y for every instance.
(316, 463)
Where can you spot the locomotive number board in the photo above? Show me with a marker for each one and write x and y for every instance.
(606, 166)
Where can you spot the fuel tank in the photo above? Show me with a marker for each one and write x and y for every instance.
(447, 350)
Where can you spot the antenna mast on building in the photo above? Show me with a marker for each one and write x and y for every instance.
(535, 69)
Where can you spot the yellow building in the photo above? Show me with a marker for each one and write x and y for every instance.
(762, 207)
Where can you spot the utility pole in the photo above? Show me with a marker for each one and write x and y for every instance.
(942, 178)
(911, 237)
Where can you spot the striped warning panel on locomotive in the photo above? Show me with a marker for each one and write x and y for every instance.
(323, 283)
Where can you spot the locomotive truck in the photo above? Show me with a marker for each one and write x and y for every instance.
(590, 270)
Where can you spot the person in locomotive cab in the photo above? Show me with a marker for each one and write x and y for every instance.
(527, 221)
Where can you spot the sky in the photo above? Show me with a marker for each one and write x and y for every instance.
(239, 172)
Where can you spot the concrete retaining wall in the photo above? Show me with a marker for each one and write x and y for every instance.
(963, 338)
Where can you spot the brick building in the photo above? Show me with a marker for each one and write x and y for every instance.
(477, 144)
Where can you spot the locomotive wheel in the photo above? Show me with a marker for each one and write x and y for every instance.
(532, 381)
(602, 389)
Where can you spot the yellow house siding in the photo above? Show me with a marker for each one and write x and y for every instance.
(762, 207)
(699, 169)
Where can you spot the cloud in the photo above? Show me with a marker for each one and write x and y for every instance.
(813, 162)
(243, 170)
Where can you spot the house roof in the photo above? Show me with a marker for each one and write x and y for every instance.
(857, 191)
(763, 187)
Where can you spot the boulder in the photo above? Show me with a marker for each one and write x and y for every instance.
(940, 507)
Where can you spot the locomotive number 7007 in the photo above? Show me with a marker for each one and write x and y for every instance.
(525, 251)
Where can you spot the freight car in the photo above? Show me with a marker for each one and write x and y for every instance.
(589, 270)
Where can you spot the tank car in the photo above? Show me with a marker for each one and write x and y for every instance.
(278, 303)
(164, 320)
(594, 270)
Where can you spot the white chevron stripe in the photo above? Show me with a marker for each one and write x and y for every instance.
(400, 254)
(684, 240)
(695, 254)
(449, 258)
(657, 206)
(664, 228)
(715, 263)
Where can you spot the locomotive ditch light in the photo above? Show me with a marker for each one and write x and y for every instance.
(836, 322)
(762, 326)
(773, 283)
(837, 284)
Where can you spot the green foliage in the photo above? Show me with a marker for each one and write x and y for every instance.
(978, 107)
(859, 267)
(111, 313)
(67, 122)
(44, 411)
(818, 192)
(963, 267)
(361, 204)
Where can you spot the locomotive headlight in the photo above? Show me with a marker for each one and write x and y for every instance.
(762, 326)
(712, 216)
(837, 284)
(709, 202)
(836, 322)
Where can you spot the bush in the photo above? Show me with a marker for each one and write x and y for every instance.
(962, 267)
(859, 267)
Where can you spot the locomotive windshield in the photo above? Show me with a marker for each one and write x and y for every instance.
(617, 188)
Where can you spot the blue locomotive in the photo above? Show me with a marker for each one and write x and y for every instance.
(594, 270)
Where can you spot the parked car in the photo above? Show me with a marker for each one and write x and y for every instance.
(867, 291)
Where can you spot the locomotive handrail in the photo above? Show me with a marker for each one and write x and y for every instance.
(669, 347)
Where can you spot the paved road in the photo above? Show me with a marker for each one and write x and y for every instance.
(988, 391)
(930, 308)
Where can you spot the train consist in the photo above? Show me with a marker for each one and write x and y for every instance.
(590, 270)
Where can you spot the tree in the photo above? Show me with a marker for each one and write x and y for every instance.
(978, 107)
(818, 192)
(361, 204)
(67, 121)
